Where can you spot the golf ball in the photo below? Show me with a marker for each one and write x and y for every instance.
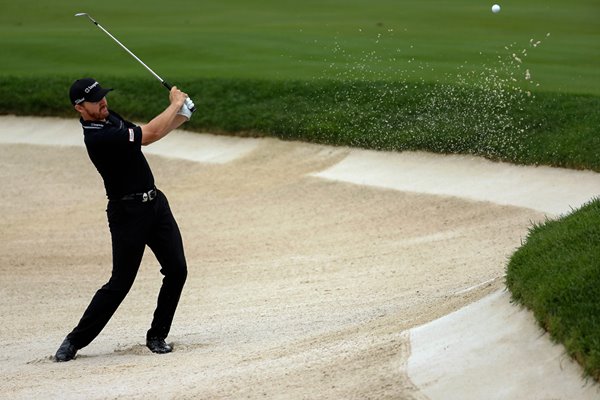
(495, 8)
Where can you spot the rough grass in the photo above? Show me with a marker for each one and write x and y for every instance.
(556, 273)
(500, 122)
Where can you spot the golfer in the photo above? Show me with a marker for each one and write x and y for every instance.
(138, 213)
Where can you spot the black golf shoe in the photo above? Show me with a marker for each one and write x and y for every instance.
(158, 345)
(65, 352)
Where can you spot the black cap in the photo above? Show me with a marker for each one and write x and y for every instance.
(86, 89)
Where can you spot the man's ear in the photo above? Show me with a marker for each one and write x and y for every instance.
(79, 108)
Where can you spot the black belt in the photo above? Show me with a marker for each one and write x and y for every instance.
(143, 197)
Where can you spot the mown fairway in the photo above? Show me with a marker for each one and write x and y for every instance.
(434, 41)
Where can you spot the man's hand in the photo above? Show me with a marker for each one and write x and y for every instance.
(186, 108)
(177, 97)
(190, 104)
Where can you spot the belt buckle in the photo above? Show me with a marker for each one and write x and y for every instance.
(145, 197)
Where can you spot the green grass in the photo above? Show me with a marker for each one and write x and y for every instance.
(556, 273)
(443, 76)
(499, 123)
(416, 40)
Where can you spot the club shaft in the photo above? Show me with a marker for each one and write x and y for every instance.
(161, 80)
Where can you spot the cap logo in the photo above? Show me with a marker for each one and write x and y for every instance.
(79, 101)
(89, 88)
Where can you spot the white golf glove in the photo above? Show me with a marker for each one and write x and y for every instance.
(186, 109)
(190, 104)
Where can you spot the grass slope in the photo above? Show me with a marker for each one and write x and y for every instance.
(498, 122)
(556, 273)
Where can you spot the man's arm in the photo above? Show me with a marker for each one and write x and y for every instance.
(166, 121)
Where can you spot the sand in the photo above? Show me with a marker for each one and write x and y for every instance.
(298, 286)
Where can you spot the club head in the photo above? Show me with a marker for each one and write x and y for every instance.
(86, 15)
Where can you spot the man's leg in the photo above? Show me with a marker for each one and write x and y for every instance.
(108, 298)
(166, 243)
(128, 243)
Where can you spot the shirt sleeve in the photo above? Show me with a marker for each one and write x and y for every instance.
(134, 133)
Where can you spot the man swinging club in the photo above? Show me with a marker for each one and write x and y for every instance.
(138, 213)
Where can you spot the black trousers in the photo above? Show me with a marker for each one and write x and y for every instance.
(133, 225)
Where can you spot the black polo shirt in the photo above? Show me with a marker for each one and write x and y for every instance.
(115, 148)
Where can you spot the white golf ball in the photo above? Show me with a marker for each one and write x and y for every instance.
(495, 8)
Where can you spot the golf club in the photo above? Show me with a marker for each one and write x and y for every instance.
(188, 101)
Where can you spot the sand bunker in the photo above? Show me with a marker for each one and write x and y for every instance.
(298, 286)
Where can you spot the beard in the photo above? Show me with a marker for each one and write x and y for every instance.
(100, 114)
(104, 112)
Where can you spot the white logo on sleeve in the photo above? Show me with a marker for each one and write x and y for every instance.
(131, 135)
